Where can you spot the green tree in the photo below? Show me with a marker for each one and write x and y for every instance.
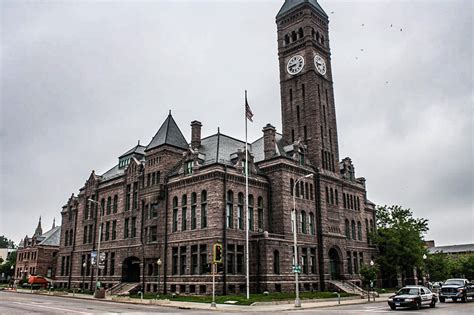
(7, 266)
(368, 273)
(6, 243)
(467, 266)
(438, 266)
(399, 238)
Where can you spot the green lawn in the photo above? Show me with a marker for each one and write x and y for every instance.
(242, 300)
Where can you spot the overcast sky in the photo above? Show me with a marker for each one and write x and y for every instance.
(83, 81)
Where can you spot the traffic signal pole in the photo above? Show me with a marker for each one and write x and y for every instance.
(214, 267)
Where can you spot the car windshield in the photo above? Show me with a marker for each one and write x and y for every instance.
(409, 291)
(454, 282)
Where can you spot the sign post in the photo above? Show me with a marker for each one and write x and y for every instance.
(216, 259)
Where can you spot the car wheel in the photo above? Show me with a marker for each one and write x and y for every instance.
(418, 305)
(464, 298)
(433, 303)
(393, 307)
(455, 299)
(442, 300)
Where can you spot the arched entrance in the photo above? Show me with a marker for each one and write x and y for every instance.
(131, 269)
(334, 264)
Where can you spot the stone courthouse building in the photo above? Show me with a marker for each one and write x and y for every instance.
(172, 200)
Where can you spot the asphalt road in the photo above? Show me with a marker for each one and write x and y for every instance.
(383, 308)
(16, 303)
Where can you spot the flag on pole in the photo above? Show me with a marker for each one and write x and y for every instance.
(248, 111)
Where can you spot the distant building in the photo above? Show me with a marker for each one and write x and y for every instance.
(454, 250)
(5, 253)
(37, 254)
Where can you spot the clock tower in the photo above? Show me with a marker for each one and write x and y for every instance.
(307, 97)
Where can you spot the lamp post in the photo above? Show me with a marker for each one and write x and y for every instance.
(84, 265)
(295, 243)
(368, 291)
(158, 263)
(98, 247)
(424, 270)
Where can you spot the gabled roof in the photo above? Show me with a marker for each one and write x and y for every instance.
(138, 149)
(289, 5)
(52, 237)
(170, 134)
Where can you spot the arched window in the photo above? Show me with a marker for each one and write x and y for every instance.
(203, 209)
(313, 33)
(306, 190)
(109, 205)
(353, 226)
(276, 262)
(240, 211)
(293, 36)
(260, 213)
(300, 33)
(336, 196)
(102, 206)
(292, 184)
(332, 196)
(317, 37)
(287, 39)
(348, 232)
(303, 221)
(66, 239)
(184, 213)
(358, 203)
(344, 200)
(297, 192)
(302, 189)
(311, 224)
(367, 229)
(250, 219)
(311, 193)
(359, 231)
(115, 207)
(175, 214)
(230, 209)
(327, 194)
(322, 40)
(193, 211)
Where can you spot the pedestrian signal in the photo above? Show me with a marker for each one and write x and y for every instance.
(217, 255)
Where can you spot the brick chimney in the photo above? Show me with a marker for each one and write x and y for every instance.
(269, 141)
(195, 134)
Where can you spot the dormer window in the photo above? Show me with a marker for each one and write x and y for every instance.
(124, 162)
(188, 167)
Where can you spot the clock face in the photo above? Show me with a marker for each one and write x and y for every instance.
(295, 64)
(320, 64)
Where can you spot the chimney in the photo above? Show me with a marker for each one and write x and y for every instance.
(269, 141)
(195, 134)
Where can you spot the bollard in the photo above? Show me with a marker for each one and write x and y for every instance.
(338, 297)
(141, 295)
(74, 292)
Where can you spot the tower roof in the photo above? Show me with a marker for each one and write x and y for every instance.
(38, 230)
(170, 134)
(289, 5)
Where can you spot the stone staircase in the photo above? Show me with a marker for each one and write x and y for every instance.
(122, 288)
(349, 287)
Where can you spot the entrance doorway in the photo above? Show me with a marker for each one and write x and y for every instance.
(334, 264)
(131, 269)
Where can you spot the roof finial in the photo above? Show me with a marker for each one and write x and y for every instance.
(138, 141)
(169, 113)
(54, 223)
(218, 129)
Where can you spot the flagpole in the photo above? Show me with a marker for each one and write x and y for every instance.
(246, 202)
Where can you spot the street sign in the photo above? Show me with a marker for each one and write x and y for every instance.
(102, 256)
(297, 269)
(93, 257)
(101, 266)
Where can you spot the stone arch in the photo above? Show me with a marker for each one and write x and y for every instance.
(335, 263)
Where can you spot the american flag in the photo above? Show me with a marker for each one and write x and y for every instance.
(248, 111)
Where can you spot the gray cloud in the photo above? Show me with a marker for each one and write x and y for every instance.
(81, 82)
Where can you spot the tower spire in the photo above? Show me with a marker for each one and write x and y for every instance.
(54, 223)
(38, 230)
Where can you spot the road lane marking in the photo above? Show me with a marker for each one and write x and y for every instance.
(53, 308)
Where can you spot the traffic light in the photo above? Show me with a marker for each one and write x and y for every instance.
(217, 254)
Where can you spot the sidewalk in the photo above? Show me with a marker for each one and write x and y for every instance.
(206, 306)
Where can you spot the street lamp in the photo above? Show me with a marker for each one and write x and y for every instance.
(368, 289)
(425, 271)
(295, 244)
(158, 263)
(98, 246)
(84, 265)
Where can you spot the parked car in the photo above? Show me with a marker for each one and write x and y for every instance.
(39, 282)
(456, 289)
(413, 296)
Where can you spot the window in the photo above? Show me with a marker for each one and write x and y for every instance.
(292, 184)
(276, 262)
(127, 198)
(359, 231)
(303, 222)
(107, 231)
(109, 205)
(230, 209)
(358, 203)
(367, 229)
(84, 237)
(311, 195)
(203, 258)
(297, 192)
(348, 232)
(83, 260)
(250, 219)
(353, 225)
(349, 263)
(175, 214)
(327, 194)
(134, 227)
(153, 211)
(306, 190)
(182, 270)
(135, 195)
(361, 259)
(188, 167)
(311, 224)
(153, 233)
(332, 195)
(148, 179)
(313, 261)
(356, 265)
(90, 234)
(115, 206)
(203, 209)
(70, 237)
(114, 229)
(240, 259)
(344, 200)
(230, 258)
(184, 213)
(260, 213)
(63, 260)
(304, 258)
(66, 239)
(174, 261)
(336, 196)
(194, 260)
(125, 232)
(240, 211)
(193, 211)
(86, 209)
(105, 263)
(300, 33)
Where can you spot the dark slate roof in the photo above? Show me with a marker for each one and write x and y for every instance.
(451, 249)
(289, 5)
(170, 134)
(113, 172)
(52, 237)
(138, 149)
